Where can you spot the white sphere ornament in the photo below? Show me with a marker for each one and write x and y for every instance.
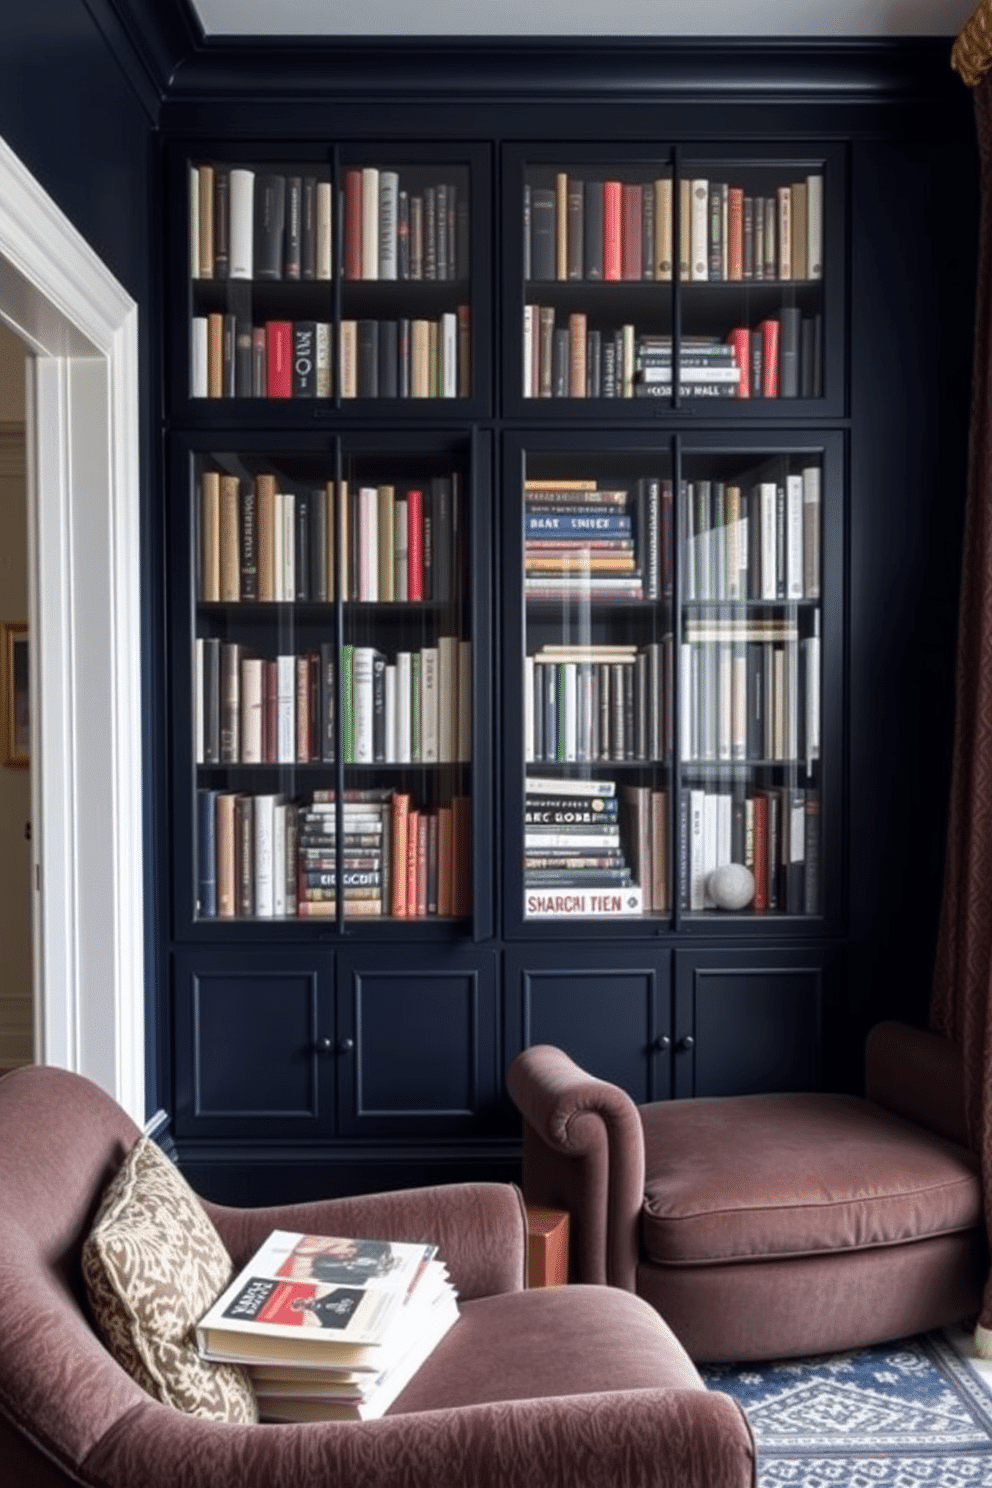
(731, 886)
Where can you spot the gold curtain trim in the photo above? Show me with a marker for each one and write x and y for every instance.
(971, 54)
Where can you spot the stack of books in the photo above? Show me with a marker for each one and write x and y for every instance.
(707, 367)
(579, 540)
(574, 862)
(365, 853)
(330, 1328)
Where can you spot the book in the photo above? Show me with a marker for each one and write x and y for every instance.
(323, 1302)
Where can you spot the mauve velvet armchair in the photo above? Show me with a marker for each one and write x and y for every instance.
(768, 1226)
(577, 1387)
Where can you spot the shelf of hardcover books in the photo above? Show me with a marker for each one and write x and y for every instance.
(261, 281)
(751, 285)
(598, 277)
(749, 684)
(406, 313)
(597, 685)
(332, 615)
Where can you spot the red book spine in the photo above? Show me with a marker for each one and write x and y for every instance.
(735, 232)
(270, 712)
(631, 246)
(612, 234)
(353, 225)
(740, 339)
(302, 709)
(415, 544)
(760, 853)
(279, 358)
(401, 822)
(769, 358)
(412, 832)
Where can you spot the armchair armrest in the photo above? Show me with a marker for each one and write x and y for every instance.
(669, 1438)
(917, 1075)
(583, 1151)
(480, 1229)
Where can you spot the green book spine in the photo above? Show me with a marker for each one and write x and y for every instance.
(348, 704)
(416, 709)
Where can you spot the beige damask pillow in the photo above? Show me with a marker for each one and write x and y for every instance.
(153, 1263)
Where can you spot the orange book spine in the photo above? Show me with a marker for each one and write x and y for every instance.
(401, 819)
(414, 544)
(769, 358)
(740, 339)
(412, 830)
(735, 232)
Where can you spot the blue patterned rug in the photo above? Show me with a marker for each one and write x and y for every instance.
(903, 1415)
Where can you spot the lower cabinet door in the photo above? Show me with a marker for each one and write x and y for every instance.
(256, 1052)
(608, 1009)
(419, 1035)
(747, 1021)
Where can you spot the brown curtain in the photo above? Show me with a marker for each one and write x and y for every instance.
(961, 1005)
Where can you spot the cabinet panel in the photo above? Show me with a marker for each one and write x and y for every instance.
(612, 1018)
(255, 1045)
(747, 1021)
(422, 1043)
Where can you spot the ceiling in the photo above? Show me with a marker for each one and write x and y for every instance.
(549, 18)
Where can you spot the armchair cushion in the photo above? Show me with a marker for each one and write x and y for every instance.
(152, 1264)
(823, 1173)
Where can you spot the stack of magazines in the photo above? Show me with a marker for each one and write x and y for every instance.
(330, 1328)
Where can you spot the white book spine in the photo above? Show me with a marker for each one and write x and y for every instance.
(279, 860)
(286, 709)
(768, 539)
(447, 682)
(528, 351)
(571, 712)
(699, 229)
(792, 700)
(464, 752)
(738, 703)
(264, 824)
(198, 356)
(709, 845)
(697, 872)
(449, 354)
(288, 546)
(814, 225)
(198, 701)
(725, 701)
(323, 358)
(392, 754)
(723, 817)
(348, 360)
(368, 543)
(429, 717)
(557, 904)
(404, 709)
(811, 532)
(401, 554)
(363, 706)
(794, 537)
(251, 710)
(370, 222)
(812, 657)
(242, 233)
(278, 539)
(325, 237)
(685, 701)
(389, 187)
(194, 222)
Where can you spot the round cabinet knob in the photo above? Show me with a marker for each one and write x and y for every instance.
(325, 1045)
(345, 1045)
(686, 1043)
(662, 1042)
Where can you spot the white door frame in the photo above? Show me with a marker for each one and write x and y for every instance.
(84, 614)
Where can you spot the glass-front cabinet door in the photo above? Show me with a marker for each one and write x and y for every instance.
(332, 667)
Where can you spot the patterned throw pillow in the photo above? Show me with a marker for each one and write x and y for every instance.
(153, 1263)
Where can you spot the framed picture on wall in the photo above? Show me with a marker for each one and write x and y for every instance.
(15, 734)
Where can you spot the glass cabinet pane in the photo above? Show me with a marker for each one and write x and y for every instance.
(261, 271)
(597, 712)
(405, 327)
(598, 269)
(749, 682)
(331, 621)
(751, 282)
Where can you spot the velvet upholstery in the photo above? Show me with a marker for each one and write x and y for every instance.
(768, 1225)
(582, 1386)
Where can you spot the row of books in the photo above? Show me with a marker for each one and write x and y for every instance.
(781, 357)
(757, 541)
(393, 230)
(330, 1328)
(750, 691)
(396, 542)
(231, 358)
(736, 235)
(775, 832)
(584, 703)
(407, 358)
(413, 709)
(577, 527)
(591, 850)
(263, 857)
(258, 225)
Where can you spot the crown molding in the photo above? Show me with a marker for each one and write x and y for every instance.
(149, 40)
